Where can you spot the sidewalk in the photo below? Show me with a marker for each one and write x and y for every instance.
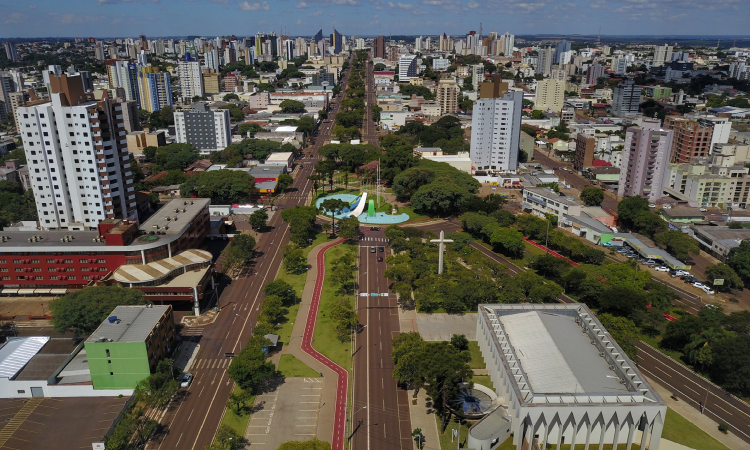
(328, 394)
(423, 416)
(698, 419)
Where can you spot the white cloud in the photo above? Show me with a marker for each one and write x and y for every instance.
(68, 18)
(302, 5)
(316, 14)
(436, 2)
(257, 6)
(472, 5)
(13, 18)
(345, 2)
(221, 2)
(32, 6)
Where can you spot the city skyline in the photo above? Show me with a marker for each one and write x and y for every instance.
(110, 18)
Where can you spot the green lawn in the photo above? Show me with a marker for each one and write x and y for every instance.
(298, 283)
(410, 211)
(484, 380)
(237, 422)
(325, 338)
(680, 430)
(477, 362)
(290, 366)
(445, 437)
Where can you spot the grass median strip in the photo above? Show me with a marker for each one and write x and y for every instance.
(290, 366)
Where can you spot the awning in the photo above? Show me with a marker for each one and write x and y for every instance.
(10, 291)
(25, 291)
(58, 291)
(41, 291)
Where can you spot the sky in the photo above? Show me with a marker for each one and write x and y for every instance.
(154, 18)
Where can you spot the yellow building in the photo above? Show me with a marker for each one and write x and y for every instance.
(154, 89)
(211, 81)
(550, 94)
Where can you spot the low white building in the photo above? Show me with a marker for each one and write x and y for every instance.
(561, 379)
(542, 200)
(281, 159)
(460, 161)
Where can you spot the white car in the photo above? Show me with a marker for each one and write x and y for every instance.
(661, 269)
(703, 210)
(667, 207)
(652, 205)
(699, 285)
(707, 290)
(186, 379)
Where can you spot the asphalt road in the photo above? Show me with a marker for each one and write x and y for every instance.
(191, 423)
(370, 127)
(720, 407)
(380, 411)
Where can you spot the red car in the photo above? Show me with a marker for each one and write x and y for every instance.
(380, 259)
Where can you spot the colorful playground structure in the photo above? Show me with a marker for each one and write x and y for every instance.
(356, 208)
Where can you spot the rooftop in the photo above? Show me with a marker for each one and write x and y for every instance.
(17, 352)
(157, 270)
(564, 355)
(46, 362)
(176, 215)
(133, 324)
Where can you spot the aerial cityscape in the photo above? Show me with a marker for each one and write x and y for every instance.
(372, 225)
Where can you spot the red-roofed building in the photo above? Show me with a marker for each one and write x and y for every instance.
(600, 163)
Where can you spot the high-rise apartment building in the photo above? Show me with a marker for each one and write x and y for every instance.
(211, 58)
(6, 87)
(204, 129)
(662, 54)
(626, 99)
(619, 65)
(10, 51)
(496, 127)
(77, 156)
(545, 58)
(418, 44)
(507, 41)
(16, 100)
(99, 51)
(407, 67)
(593, 73)
(211, 81)
(378, 48)
(154, 89)
(124, 74)
(249, 56)
(191, 79)
(645, 160)
(692, 138)
(585, 149)
(477, 75)
(289, 50)
(550, 94)
(562, 47)
(447, 96)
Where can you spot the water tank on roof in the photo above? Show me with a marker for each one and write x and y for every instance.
(112, 319)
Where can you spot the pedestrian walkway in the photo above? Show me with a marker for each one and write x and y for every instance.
(328, 393)
(423, 417)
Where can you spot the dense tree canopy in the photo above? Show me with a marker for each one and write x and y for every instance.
(172, 156)
(592, 196)
(221, 186)
(83, 311)
(292, 107)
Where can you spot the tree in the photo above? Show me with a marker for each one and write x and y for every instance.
(222, 186)
(258, 220)
(726, 273)
(249, 369)
(240, 251)
(623, 331)
(537, 115)
(679, 333)
(651, 225)
(592, 196)
(231, 96)
(460, 342)
(731, 364)
(292, 107)
(439, 198)
(349, 227)
(283, 290)
(344, 318)
(227, 439)
(333, 206)
(739, 259)
(528, 129)
(679, 244)
(83, 311)
(301, 220)
(629, 208)
(284, 181)
(417, 434)
(294, 259)
(251, 128)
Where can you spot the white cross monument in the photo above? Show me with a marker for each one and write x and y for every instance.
(442, 241)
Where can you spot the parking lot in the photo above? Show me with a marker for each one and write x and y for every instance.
(440, 327)
(660, 267)
(290, 412)
(56, 423)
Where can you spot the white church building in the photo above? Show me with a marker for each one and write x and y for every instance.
(562, 380)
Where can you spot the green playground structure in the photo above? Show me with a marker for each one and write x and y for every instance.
(371, 208)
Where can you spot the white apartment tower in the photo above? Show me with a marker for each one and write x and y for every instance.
(204, 129)
(191, 80)
(645, 160)
(626, 99)
(77, 157)
(407, 67)
(496, 127)
(662, 54)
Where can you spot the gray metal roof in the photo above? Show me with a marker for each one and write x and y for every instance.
(488, 426)
(17, 352)
(135, 324)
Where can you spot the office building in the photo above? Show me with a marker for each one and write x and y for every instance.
(440, 64)
(289, 50)
(128, 345)
(7, 86)
(626, 99)
(563, 47)
(378, 48)
(204, 129)
(211, 81)
(545, 58)
(550, 94)
(337, 42)
(662, 54)
(645, 160)
(585, 149)
(77, 157)
(248, 55)
(323, 77)
(191, 79)
(543, 201)
(99, 51)
(154, 89)
(407, 67)
(10, 51)
(496, 127)
(561, 380)
(619, 65)
(692, 138)
(594, 72)
(507, 41)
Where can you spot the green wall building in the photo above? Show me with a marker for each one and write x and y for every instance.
(127, 346)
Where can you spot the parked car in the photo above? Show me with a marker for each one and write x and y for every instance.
(667, 206)
(703, 210)
(652, 205)
(186, 379)
(381, 249)
(372, 249)
(698, 284)
(649, 262)
(661, 269)
(380, 259)
(708, 290)
(374, 228)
